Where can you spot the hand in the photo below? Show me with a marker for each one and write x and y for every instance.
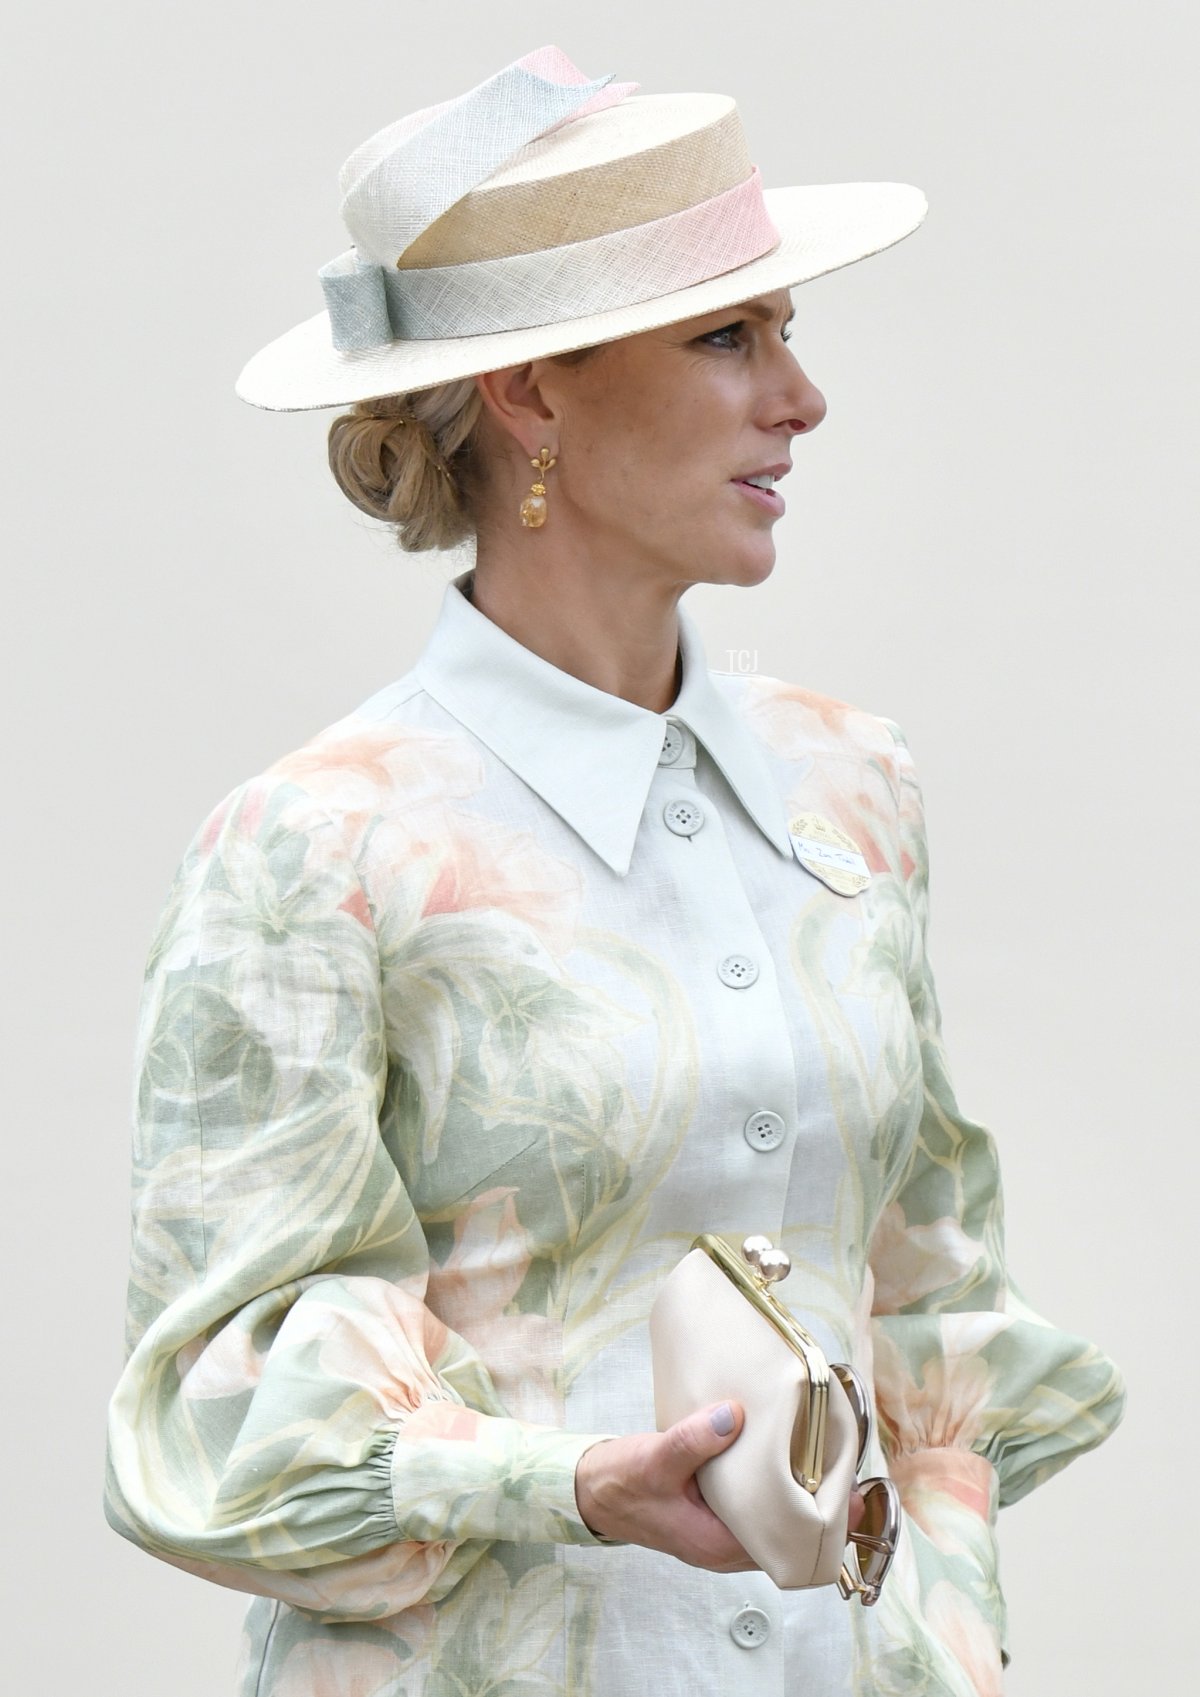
(642, 1490)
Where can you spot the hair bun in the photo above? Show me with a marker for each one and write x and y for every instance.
(393, 462)
(415, 462)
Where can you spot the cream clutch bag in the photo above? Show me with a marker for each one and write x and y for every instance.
(783, 1486)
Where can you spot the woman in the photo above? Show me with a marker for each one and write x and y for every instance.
(464, 1018)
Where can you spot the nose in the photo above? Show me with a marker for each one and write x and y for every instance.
(804, 403)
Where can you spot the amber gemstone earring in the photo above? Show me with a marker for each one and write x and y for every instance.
(533, 507)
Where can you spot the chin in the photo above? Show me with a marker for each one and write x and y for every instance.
(746, 563)
(739, 560)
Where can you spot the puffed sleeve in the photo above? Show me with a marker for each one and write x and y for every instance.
(979, 1398)
(292, 1419)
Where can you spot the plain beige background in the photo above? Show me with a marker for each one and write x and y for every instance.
(992, 538)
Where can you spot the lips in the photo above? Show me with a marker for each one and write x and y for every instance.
(776, 471)
(768, 498)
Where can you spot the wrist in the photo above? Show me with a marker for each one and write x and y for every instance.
(589, 1511)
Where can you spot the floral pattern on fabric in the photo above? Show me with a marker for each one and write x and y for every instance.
(429, 1102)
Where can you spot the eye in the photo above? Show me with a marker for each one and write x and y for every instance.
(735, 330)
(726, 330)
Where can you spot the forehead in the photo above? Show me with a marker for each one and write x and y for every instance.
(761, 307)
(767, 308)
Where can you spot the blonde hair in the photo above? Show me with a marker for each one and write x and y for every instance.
(413, 460)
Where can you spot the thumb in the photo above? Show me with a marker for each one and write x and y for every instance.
(702, 1434)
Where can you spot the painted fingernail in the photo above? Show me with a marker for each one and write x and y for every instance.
(722, 1419)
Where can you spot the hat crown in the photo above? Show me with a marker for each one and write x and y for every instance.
(644, 159)
(539, 196)
(406, 175)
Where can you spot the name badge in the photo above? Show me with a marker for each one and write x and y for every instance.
(825, 850)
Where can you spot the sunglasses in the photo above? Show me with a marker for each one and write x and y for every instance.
(873, 1547)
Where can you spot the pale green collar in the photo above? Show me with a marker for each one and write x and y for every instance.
(590, 755)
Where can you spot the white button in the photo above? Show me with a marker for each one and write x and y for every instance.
(684, 817)
(750, 1628)
(672, 746)
(764, 1130)
(737, 971)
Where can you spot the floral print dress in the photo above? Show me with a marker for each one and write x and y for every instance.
(459, 1023)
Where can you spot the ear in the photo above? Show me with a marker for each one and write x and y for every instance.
(521, 407)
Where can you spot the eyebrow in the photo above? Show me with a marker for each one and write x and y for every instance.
(755, 309)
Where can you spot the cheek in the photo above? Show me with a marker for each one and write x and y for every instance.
(667, 487)
(697, 441)
(620, 465)
(656, 464)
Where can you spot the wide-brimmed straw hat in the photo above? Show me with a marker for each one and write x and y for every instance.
(542, 212)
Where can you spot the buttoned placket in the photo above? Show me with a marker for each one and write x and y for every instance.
(740, 961)
(757, 1110)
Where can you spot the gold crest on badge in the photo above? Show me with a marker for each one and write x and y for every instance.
(825, 850)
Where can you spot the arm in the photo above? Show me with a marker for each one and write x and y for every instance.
(292, 1419)
(979, 1398)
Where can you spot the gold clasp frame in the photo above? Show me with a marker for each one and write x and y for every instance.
(754, 1271)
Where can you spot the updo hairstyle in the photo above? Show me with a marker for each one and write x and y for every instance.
(414, 461)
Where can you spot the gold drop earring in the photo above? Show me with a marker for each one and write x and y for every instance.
(533, 507)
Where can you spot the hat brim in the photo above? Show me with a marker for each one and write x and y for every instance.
(822, 227)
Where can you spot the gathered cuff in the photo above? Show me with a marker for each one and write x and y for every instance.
(457, 1473)
(952, 1495)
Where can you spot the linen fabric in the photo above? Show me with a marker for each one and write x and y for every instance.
(456, 1029)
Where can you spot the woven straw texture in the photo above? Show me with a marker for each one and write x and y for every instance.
(402, 179)
(541, 212)
(627, 266)
(822, 227)
(522, 212)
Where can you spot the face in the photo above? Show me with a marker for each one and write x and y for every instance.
(657, 433)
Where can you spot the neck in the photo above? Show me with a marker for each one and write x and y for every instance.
(616, 629)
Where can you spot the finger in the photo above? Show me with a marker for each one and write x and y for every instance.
(699, 1436)
(858, 1509)
(711, 1544)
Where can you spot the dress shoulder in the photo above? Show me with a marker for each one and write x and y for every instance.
(382, 756)
(795, 722)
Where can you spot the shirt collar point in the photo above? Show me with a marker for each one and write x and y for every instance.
(558, 734)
